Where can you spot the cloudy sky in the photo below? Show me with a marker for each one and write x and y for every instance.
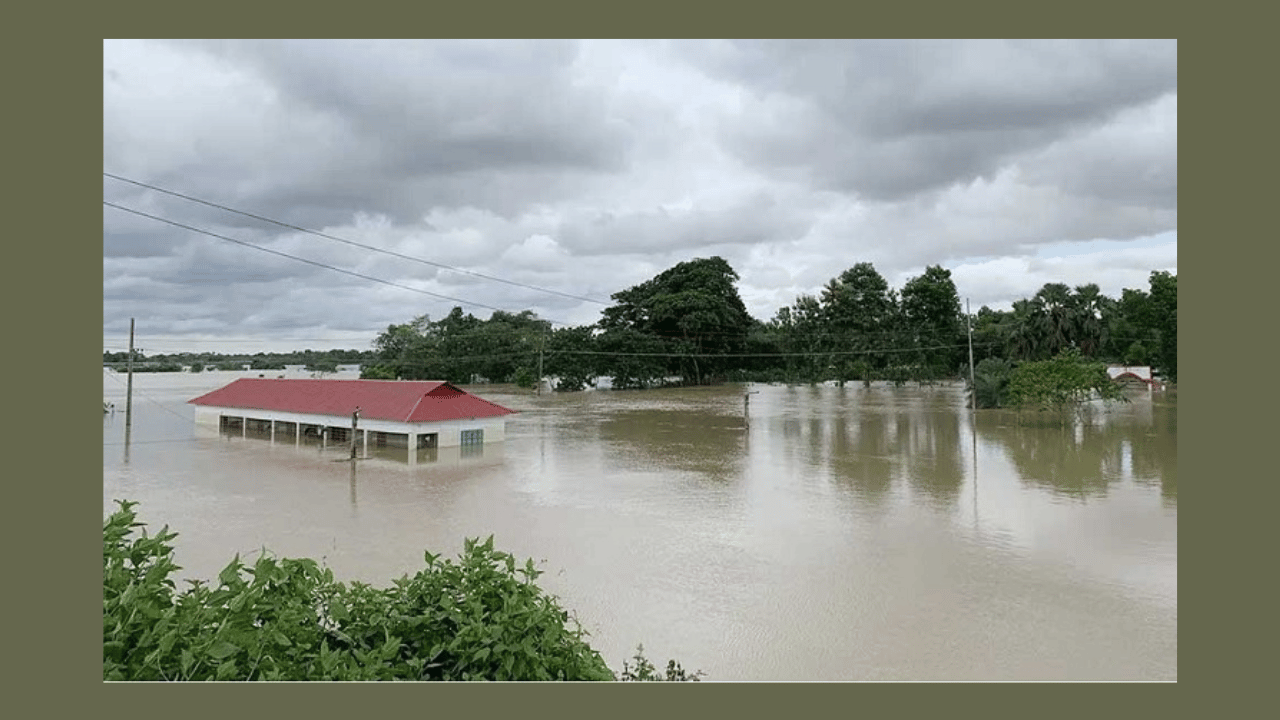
(575, 169)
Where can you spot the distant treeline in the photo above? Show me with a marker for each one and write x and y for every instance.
(315, 360)
(688, 326)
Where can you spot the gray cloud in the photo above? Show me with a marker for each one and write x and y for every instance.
(887, 120)
(586, 167)
(749, 220)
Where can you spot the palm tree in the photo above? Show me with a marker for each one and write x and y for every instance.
(1089, 304)
(1024, 342)
(1055, 318)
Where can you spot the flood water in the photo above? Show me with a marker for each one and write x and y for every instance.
(827, 534)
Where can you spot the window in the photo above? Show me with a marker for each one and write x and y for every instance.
(472, 437)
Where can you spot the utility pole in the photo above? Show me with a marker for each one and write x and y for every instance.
(354, 416)
(128, 403)
(973, 418)
(746, 407)
(973, 389)
(539, 371)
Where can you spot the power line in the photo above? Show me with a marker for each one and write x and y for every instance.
(309, 262)
(812, 353)
(351, 242)
(154, 401)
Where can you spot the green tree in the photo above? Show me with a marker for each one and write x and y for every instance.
(1060, 382)
(322, 367)
(858, 309)
(802, 329)
(1023, 339)
(1127, 336)
(990, 385)
(931, 321)
(1164, 321)
(567, 358)
(1089, 306)
(693, 309)
(1055, 317)
(632, 359)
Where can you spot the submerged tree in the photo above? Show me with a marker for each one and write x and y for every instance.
(1060, 382)
(1164, 321)
(692, 310)
(932, 321)
(858, 310)
(990, 385)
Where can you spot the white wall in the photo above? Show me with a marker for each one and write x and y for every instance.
(449, 432)
(1142, 371)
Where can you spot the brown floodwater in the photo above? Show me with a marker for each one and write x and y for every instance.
(827, 534)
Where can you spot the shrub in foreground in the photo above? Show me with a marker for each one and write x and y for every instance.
(480, 618)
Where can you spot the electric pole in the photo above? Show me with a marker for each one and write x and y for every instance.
(354, 416)
(128, 403)
(973, 389)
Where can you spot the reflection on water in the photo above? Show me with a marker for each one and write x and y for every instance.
(1083, 457)
(812, 533)
(676, 439)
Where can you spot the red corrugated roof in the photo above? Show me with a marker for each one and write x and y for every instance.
(409, 401)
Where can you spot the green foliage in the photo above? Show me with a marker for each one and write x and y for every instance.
(319, 366)
(377, 372)
(525, 377)
(858, 313)
(209, 361)
(644, 671)
(632, 359)
(480, 618)
(1060, 382)
(1137, 354)
(931, 323)
(1163, 319)
(687, 312)
(568, 358)
(461, 347)
(991, 382)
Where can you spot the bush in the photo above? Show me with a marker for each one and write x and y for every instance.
(377, 372)
(1060, 382)
(645, 670)
(481, 618)
(990, 382)
(524, 378)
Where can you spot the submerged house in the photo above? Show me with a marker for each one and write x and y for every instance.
(1133, 375)
(391, 413)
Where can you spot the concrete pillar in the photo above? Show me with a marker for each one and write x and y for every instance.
(273, 432)
(244, 427)
(297, 433)
(413, 448)
(324, 438)
(366, 443)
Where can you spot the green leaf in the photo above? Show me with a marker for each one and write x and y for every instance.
(231, 573)
(222, 649)
(227, 670)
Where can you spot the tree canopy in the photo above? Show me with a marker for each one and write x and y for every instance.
(689, 312)
(689, 325)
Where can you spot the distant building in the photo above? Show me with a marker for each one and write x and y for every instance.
(1133, 374)
(392, 413)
